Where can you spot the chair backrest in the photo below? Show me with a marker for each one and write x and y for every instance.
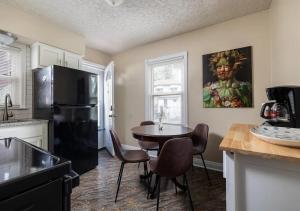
(200, 136)
(175, 158)
(117, 144)
(147, 123)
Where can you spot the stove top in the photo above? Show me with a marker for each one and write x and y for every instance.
(19, 159)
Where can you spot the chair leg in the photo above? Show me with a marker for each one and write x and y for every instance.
(120, 173)
(149, 183)
(188, 190)
(119, 180)
(158, 193)
(205, 169)
(175, 187)
(152, 196)
(145, 169)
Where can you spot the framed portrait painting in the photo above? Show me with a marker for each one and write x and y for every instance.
(227, 79)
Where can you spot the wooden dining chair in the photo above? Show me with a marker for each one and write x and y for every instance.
(199, 138)
(174, 160)
(126, 156)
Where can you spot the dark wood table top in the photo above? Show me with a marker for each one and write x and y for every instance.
(167, 131)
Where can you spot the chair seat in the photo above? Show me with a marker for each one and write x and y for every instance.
(135, 156)
(148, 145)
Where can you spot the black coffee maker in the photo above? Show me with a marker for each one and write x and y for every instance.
(283, 109)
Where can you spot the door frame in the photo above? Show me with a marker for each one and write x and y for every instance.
(111, 111)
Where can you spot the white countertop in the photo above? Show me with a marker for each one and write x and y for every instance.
(21, 122)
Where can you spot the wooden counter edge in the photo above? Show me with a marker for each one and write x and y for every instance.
(224, 147)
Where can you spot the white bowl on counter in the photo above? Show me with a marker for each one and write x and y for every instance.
(278, 135)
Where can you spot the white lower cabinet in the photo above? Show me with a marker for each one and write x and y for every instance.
(256, 183)
(35, 134)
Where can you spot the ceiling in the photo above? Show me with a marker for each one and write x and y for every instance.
(136, 22)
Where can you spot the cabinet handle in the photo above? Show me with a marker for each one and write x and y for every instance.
(59, 61)
(66, 64)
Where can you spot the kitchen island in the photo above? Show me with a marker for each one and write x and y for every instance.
(259, 175)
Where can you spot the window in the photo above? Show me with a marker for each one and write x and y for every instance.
(13, 74)
(166, 88)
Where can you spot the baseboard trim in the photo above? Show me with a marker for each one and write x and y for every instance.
(209, 164)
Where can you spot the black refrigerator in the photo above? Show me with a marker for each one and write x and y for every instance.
(68, 99)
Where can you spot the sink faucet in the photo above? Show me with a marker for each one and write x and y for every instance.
(7, 103)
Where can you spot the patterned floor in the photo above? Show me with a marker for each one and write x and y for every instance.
(98, 187)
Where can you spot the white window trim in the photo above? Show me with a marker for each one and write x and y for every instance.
(148, 85)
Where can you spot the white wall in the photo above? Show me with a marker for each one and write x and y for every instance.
(37, 29)
(285, 42)
(252, 30)
(97, 56)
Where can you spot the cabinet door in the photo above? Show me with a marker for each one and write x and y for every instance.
(47, 197)
(50, 55)
(72, 60)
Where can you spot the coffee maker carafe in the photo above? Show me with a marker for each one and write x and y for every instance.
(283, 108)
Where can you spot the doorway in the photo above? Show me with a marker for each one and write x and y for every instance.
(105, 103)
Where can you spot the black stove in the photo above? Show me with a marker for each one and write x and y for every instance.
(33, 179)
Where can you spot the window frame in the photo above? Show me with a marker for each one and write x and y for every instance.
(149, 95)
(24, 50)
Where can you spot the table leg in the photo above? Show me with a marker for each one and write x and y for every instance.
(146, 174)
(161, 144)
(153, 195)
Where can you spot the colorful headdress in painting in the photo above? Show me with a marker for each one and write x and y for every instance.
(232, 58)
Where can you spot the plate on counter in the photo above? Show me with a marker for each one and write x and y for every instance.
(278, 135)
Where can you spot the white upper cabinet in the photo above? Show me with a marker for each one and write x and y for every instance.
(72, 60)
(49, 55)
(43, 55)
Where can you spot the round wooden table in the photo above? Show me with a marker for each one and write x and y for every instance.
(152, 133)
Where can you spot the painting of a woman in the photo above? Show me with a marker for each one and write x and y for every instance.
(227, 79)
